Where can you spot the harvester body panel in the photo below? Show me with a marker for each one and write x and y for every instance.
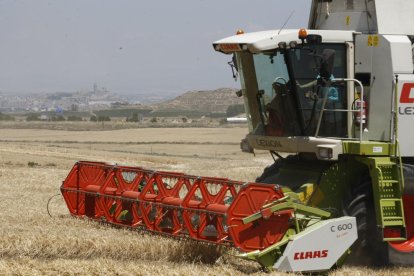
(379, 16)
(319, 247)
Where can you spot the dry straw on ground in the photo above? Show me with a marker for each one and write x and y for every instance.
(32, 243)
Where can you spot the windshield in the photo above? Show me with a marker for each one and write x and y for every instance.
(290, 94)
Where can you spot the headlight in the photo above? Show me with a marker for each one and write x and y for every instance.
(325, 153)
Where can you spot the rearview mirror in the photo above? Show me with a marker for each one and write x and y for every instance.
(313, 39)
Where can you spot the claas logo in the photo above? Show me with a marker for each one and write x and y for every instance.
(406, 95)
(311, 255)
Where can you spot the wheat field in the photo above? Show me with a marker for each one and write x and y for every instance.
(33, 164)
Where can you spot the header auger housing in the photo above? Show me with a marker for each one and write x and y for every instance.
(335, 105)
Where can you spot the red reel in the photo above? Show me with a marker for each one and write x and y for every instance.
(261, 233)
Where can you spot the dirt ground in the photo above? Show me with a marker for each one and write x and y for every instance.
(33, 164)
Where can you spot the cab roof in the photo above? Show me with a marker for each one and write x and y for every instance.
(268, 40)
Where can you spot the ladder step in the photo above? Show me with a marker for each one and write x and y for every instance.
(380, 164)
(391, 200)
(389, 181)
(393, 218)
(393, 223)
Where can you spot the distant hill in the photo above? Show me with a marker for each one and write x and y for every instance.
(203, 101)
(192, 104)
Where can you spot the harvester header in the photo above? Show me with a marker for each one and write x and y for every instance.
(257, 219)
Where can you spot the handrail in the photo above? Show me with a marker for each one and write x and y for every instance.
(361, 108)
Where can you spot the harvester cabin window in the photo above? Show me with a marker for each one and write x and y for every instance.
(310, 93)
(277, 110)
(291, 96)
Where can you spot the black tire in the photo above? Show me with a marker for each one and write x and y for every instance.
(369, 249)
(408, 171)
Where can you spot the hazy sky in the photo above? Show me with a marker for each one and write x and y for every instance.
(128, 46)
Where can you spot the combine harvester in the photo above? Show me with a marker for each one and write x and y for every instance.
(339, 98)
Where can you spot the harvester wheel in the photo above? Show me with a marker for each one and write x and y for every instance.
(408, 171)
(369, 249)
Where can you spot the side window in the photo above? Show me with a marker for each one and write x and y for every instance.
(268, 70)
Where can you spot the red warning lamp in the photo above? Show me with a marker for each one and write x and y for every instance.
(239, 32)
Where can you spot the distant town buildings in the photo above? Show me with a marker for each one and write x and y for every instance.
(99, 98)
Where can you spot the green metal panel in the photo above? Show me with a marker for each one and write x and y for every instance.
(335, 182)
(367, 148)
(387, 186)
